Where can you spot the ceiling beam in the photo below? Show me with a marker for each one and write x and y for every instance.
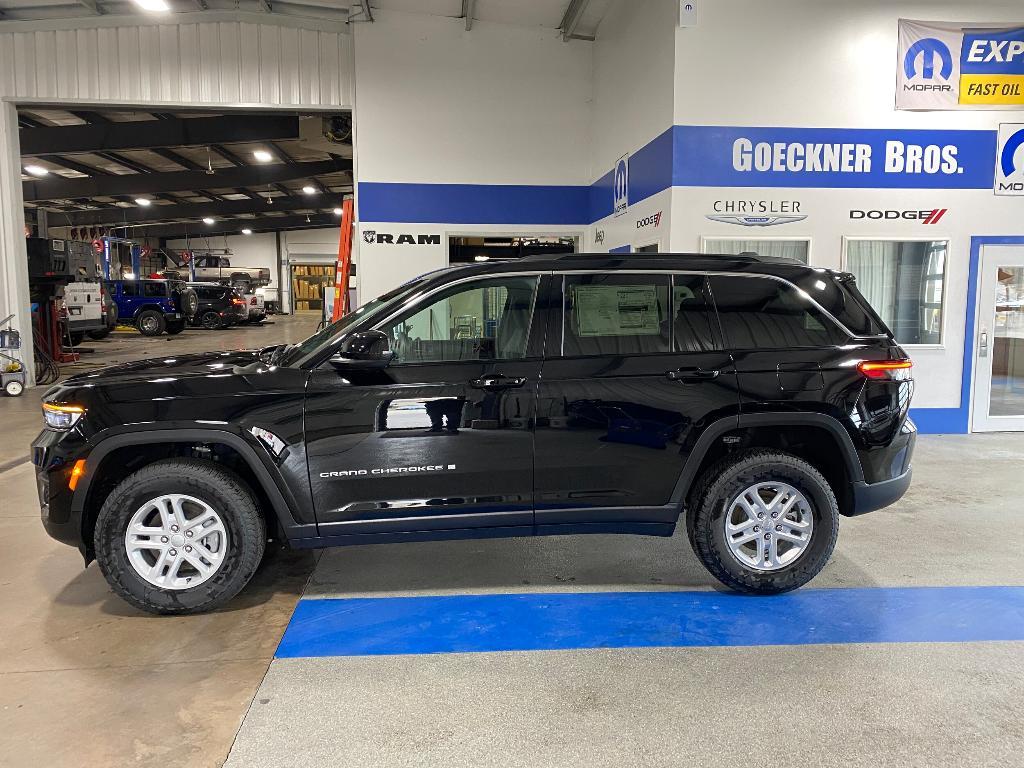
(571, 19)
(198, 230)
(196, 211)
(93, 6)
(150, 134)
(178, 181)
(468, 7)
(178, 158)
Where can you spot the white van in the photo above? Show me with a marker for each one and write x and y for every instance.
(86, 311)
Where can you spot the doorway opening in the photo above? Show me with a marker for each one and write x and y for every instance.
(999, 346)
(467, 249)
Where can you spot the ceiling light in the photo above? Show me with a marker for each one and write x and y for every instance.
(36, 170)
(144, 202)
(309, 190)
(159, 6)
(481, 257)
(209, 220)
(246, 231)
(263, 156)
(337, 211)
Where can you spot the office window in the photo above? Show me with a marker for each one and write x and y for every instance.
(761, 313)
(903, 280)
(616, 314)
(798, 249)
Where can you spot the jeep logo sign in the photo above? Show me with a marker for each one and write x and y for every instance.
(373, 236)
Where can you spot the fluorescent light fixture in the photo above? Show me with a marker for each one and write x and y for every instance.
(158, 6)
(263, 156)
(309, 189)
(129, 275)
(337, 211)
(36, 170)
(209, 220)
(481, 258)
(144, 202)
(246, 231)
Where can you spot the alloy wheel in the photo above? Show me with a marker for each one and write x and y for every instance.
(176, 541)
(768, 526)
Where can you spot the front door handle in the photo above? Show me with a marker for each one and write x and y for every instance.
(497, 381)
(692, 374)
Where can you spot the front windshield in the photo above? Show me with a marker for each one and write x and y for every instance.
(333, 331)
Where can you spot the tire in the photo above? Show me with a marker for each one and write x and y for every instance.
(714, 502)
(211, 321)
(100, 334)
(174, 327)
(242, 546)
(14, 388)
(150, 322)
(77, 337)
(188, 302)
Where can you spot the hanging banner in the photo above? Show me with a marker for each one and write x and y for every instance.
(958, 66)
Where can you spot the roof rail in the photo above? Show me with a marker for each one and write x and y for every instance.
(750, 256)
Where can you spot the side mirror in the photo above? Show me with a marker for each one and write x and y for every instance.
(364, 351)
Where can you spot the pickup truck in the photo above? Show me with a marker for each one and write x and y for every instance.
(218, 269)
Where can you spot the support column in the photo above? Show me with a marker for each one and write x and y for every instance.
(14, 296)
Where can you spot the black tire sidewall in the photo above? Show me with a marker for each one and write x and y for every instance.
(161, 323)
(245, 535)
(709, 523)
(216, 323)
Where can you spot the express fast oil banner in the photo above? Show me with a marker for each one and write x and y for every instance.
(959, 66)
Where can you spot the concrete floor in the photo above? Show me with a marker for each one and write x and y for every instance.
(86, 680)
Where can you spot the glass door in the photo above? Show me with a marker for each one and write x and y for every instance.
(999, 347)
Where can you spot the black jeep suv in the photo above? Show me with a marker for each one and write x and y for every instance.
(755, 399)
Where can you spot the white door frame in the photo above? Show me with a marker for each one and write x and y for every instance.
(990, 258)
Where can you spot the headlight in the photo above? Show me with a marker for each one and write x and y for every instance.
(61, 416)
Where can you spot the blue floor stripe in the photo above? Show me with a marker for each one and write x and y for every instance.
(536, 622)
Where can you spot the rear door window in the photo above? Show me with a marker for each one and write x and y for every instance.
(616, 314)
(154, 290)
(762, 313)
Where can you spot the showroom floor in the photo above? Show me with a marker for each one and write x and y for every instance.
(86, 680)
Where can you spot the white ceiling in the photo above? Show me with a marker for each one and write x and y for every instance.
(527, 13)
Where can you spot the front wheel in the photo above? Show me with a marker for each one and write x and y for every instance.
(764, 522)
(179, 536)
(150, 323)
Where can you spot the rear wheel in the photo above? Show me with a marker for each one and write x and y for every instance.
(77, 337)
(174, 327)
(211, 321)
(179, 536)
(764, 522)
(150, 323)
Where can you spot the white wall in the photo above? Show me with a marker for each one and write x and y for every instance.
(633, 73)
(496, 105)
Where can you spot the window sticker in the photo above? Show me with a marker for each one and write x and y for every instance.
(617, 310)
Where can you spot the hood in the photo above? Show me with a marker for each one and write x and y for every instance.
(203, 363)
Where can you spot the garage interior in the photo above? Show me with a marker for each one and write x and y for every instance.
(872, 668)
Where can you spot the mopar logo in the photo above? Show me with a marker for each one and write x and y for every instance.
(1010, 169)
(925, 217)
(928, 49)
(1006, 161)
(647, 221)
(372, 236)
(620, 185)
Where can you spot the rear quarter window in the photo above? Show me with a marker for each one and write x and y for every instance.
(762, 313)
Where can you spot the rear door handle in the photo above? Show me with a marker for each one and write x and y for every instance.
(497, 381)
(692, 374)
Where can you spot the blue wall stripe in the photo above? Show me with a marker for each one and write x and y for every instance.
(473, 203)
(539, 622)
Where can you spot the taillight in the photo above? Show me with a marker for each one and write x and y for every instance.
(238, 302)
(252, 301)
(885, 369)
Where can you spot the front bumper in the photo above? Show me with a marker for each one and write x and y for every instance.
(53, 465)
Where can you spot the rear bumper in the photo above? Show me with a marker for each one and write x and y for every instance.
(868, 497)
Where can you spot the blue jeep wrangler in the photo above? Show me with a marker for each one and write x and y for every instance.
(154, 306)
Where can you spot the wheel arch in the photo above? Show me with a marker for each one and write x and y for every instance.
(840, 466)
(275, 502)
